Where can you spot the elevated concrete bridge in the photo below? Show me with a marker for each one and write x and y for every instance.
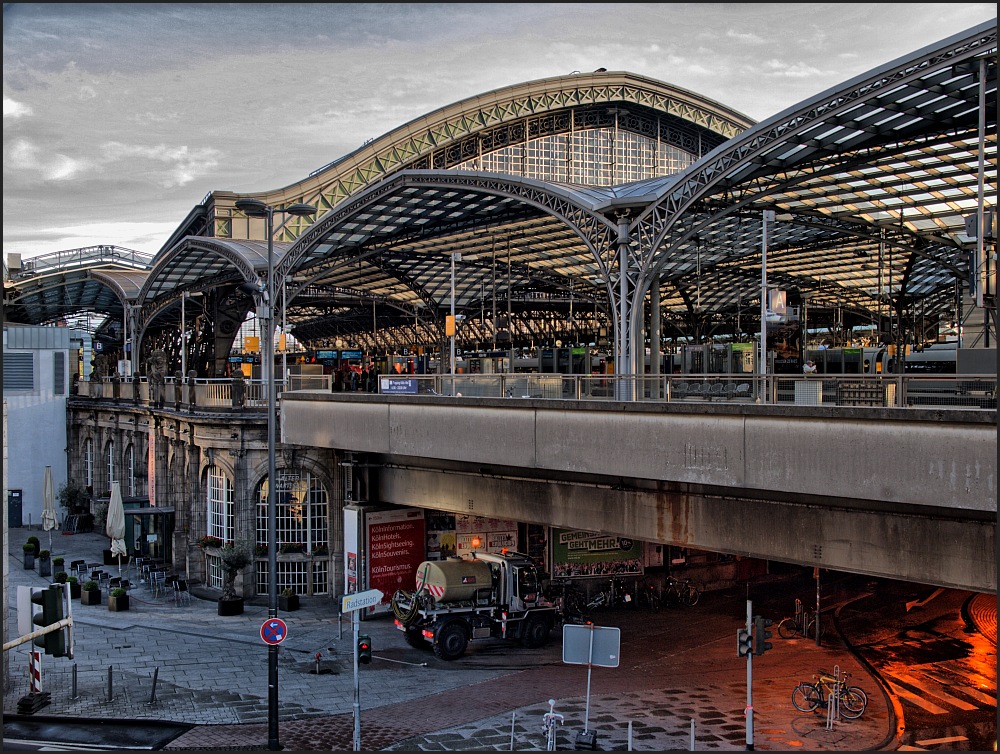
(900, 493)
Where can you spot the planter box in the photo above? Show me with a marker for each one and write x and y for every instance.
(92, 597)
(29, 561)
(44, 567)
(231, 607)
(117, 604)
(75, 590)
(288, 604)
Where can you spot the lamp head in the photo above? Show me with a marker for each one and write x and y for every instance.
(299, 209)
(252, 207)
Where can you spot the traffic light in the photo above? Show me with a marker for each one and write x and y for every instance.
(364, 649)
(51, 600)
(761, 634)
(744, 645)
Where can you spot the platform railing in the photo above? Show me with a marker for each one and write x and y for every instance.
(976, 391)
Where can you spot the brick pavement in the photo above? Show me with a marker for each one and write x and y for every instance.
(681, 667)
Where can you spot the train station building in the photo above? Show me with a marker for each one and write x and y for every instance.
(606, 225)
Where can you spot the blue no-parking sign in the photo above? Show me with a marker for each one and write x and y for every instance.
(273, 631)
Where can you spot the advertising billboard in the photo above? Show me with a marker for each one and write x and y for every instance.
(587, 553)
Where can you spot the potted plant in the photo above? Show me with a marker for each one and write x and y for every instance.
(74, 497)
(208, 541)
(58, 563)
(29, 556)
(291, 548)
(35, 544)
(235, 557)
(320, 551)
(74, 587)
(44, 563)
(91, 593)
(117, 600)
(288, 600)
(61, 577)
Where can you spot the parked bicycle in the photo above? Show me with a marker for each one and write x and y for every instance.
(551, 721)
(803, 623)
(569, 600)
(616, 595)
(647, 595)
(681, 591)
(851, 700)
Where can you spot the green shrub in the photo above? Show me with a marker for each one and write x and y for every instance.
(45, 554)
(61, 577)
(91, 586)
(28, 547)
(118, 592)
(72, 580)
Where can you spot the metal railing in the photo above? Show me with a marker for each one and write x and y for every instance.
(976, 391)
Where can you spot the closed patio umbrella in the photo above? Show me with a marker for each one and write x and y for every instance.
(49, 520)
(116, 524)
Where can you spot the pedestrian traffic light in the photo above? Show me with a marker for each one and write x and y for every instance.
(51, 601)
(364, 649)
(744, 645)
(761, 634)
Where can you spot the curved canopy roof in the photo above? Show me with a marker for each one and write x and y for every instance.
(871, 182)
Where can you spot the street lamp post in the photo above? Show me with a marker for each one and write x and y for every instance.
(767, 217)
(257, 208)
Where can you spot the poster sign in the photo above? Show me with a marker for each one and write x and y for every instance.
(395, 549)
(587, 553)
(493, 534)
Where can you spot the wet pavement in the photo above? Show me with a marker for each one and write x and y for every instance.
(679, 679)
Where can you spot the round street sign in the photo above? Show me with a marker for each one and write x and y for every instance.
(273, 631)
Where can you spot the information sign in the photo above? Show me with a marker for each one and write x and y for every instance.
(591, 645)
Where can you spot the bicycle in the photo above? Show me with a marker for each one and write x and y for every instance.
(616, 595)
(569, 600)
(648, 596)
(682, 591)
(802, 623)
(851, 700)
(551, 721)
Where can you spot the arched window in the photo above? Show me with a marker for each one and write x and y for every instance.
(130, 470)
(221, 518)
(221, 521)
(110, 454)
(88, 463)
(302, 524)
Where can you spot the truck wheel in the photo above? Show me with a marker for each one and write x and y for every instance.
(536, 633)
(450, 641)
(415, 639)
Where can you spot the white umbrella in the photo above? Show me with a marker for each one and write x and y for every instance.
(116, 524)
(49, 520)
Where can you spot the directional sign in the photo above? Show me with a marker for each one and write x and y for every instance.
(273, 631)
(361, 600)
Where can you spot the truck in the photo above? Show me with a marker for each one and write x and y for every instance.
(490, 595)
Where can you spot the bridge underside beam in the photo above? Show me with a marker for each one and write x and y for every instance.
(931, 549)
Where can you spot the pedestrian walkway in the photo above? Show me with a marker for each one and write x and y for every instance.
(679, 676)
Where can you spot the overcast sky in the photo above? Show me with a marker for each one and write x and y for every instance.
(119, 119)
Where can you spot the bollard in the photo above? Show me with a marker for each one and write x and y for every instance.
(110, 687)
(75, 695)
(152, 693)
(692, 735)
(630, 735)
(513, 716)
(317, 663)
(35, 671)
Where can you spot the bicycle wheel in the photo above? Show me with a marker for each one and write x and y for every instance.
(806, 697)
(853, 702)
(787, 628)
(692, 596)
